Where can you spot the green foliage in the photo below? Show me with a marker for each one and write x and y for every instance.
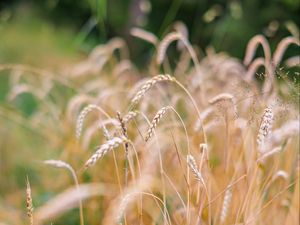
(218, 23)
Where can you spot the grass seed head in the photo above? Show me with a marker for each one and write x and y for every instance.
(140, 94)
(155, 122)
(29, 204)
(103, 149)
(265, 128)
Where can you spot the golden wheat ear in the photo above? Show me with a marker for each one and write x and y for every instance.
(193, 166)
(265, 129)
(149, 84)
(82, 116)
(103, 149)
(226, 204)
(155, 122)
(29, 205)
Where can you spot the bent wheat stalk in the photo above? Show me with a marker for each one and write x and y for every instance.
(62, 164)
(144, 35)
(82, 116)
(268, 154)
(252, 47)
(169, 38)
(281, 48)
(140, 94)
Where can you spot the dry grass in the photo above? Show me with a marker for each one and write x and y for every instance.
(244, 155)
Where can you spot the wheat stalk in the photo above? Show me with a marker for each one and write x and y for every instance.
(181, 28)
(160, 113)
(58, 164)
(103, 149)
(292, 61)
(280, 173)
(221, 97)
(29, 204)
(123, 205)
(144, 35)
(203, 147)
(62, 164)
(252, 47)
(193, 166)
(265, 128)
(139, 95)
(203, 116)
(268, 154)
(281, 48)
(129, 116)
(124, 133)
(162, 47)
(122, 67)
(253, 67)
(82, 116)
(288, 130)
(226, 204)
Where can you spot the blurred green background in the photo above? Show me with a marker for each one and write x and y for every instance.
(56, 32)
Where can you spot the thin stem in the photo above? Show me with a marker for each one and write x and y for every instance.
(195, 106)
(78, 190)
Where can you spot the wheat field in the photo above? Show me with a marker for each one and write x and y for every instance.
(200, 139)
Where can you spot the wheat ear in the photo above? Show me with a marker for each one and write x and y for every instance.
(155, 121)
(280, 173)
(221, 97)
(82, 116)
(124, 133)
(103, 149)
(204, 115)
(142, 91)
(29, 204)
(226, 204)
(265, 128)
(225, 97)
(193, 166)
(129, 116)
